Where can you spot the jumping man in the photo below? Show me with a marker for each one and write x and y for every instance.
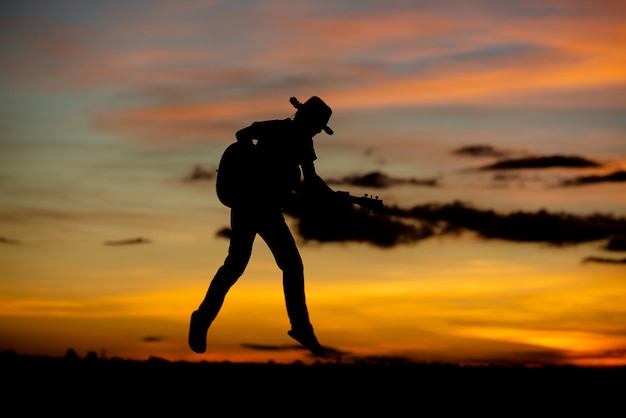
(278, 153)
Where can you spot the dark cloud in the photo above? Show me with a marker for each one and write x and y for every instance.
(378, 180)
(224, 232)
(542, 162)
(200, 173)
(604, 260)
(338, 220)
(617, 176)
(152, 339)
(480, 151)
(375, 180)
(616, 243)
(5, 240)
(286, 347)
(343, 222)
(540, 226)
(130, 241)
(263, 347)
(501, 177)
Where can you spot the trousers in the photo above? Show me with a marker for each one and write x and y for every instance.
(270, 225)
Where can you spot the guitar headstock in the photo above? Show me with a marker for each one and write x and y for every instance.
(366, 201)
(370, 202)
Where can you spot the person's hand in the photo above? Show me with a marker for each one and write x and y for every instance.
(317, 185)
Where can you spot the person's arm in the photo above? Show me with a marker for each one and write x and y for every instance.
(246, 135)
(312, 180)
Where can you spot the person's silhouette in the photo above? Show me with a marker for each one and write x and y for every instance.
(272, 172)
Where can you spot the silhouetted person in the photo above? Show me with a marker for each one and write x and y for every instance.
(270, 173)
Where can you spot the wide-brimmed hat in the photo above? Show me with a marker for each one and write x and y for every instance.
(316, 108)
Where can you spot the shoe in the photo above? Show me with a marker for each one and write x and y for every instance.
(198, 328)
(308, 340)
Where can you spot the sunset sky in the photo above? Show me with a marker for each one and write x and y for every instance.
(494, 132)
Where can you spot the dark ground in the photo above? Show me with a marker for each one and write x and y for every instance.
(71, 386)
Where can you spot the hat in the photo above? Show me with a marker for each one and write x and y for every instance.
(315, 107)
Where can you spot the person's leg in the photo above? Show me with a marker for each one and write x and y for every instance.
(239, 252)
(279, 239)
(281, 243)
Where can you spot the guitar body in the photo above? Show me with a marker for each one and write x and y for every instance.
(235, 172)
(246, 178)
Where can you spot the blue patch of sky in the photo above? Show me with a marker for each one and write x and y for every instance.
(499, 51)
(58, 11)
(507, 122)
(51, 117)
(499, 55)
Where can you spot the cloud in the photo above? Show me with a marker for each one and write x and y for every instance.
(480, 151)
(540, 226)
(542, 162)
(200, 173)
(505, 167)
(5, 240)
(378, 180)
(286, 347)
(152, 339)
(262, 347)
(604, 260)
(616, 176)
(224, 232)
(130, 241)
(616, 243)
(191, 79)
(342, 222)
(338, 220)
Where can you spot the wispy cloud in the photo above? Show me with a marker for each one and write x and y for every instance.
(182, 78)
(480, 150)
(11, 241)
(288, 347)
(615, 177)
(130, 241)
(379, 180)
(200, 173)
(152, 339)
(543, 162)
(607, 260)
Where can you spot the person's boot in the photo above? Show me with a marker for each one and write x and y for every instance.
(198, 327)
(306, 337)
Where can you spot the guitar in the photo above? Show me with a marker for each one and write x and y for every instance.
(234, 172)
(238, 169)
(239, 180)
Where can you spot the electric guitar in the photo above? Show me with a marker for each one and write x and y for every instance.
(238, 167)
